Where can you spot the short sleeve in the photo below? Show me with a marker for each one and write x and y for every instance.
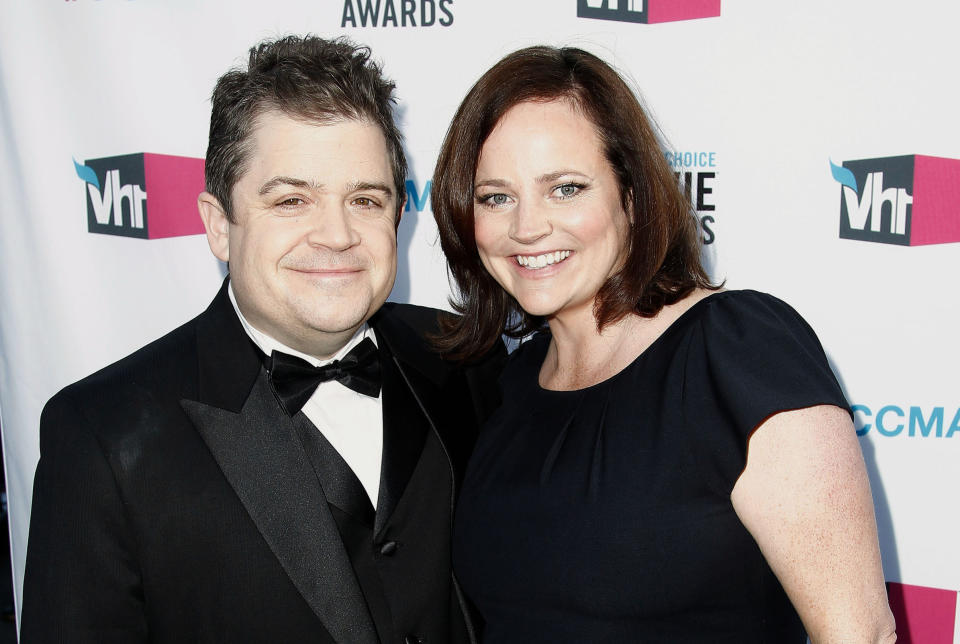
(751, 357)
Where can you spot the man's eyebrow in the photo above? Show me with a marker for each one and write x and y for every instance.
(288, 181)
(303, 184)
(371, 185)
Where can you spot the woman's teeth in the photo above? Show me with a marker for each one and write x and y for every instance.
(539, 261)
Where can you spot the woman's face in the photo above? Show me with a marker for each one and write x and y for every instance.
(547, 215)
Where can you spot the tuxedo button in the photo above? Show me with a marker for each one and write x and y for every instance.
(412, 639)
(387, 550)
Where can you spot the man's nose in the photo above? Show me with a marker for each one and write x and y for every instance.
(332, 227)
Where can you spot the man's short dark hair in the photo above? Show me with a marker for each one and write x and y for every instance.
(308, 78)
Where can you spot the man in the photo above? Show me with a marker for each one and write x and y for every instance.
(207, 488)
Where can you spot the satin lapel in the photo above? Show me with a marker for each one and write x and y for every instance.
(420, 399)
(404, 429)
(265, 464)
(228, 360)
(442, 390)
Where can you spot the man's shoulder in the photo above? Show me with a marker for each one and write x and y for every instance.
(406, 330)
(417, 326)
(165, 364)
(421, 320)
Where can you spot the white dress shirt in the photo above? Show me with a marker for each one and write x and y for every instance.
(350, 421)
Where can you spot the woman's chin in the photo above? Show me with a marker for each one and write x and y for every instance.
(537, 307)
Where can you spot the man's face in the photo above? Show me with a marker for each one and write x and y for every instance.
(313, 252)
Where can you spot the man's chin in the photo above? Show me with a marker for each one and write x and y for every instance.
(336, 320)
(335, 312)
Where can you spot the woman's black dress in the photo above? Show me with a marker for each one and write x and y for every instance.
(604, 515)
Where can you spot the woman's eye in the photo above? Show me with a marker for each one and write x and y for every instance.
(495, 199)
(568, 190)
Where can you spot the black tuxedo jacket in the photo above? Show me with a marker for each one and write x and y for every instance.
(173, 503)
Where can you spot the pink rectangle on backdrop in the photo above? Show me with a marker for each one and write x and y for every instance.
(924, 615)
(173, 184)
(671, 10)
(936, 201)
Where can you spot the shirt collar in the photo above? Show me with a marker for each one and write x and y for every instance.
(268, 344)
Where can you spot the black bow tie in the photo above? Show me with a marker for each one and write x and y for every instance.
(294, 380)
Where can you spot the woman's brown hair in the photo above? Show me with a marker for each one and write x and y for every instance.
(662, 251)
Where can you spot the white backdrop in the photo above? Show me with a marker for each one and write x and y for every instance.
(773, 91)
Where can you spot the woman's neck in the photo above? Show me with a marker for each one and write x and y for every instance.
(579, 356)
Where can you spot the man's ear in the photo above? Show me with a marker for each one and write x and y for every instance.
(216, 224)
(403, 208)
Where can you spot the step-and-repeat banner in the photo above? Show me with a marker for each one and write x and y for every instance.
(817, 140)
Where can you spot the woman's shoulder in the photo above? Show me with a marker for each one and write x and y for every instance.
(749, 356)
(744, 315)
(745, 332)
(743, 301)
(753, 346)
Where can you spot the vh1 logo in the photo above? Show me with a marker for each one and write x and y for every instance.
(143, 195)
(648, 11)
(910, 200)
(924, 615)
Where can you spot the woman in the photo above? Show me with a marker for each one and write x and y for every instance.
(671, 463)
